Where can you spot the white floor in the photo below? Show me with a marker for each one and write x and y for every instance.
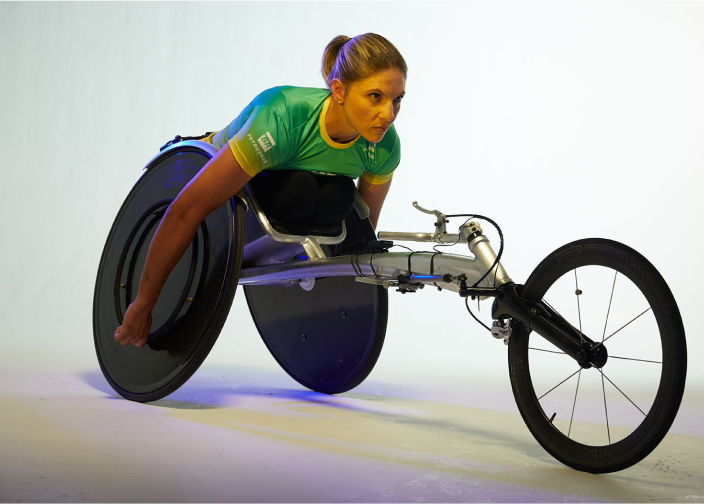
(254, 435)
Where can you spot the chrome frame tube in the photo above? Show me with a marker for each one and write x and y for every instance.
(380, 266)
(486, 256)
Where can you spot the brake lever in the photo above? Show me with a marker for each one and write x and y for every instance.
(439, 223)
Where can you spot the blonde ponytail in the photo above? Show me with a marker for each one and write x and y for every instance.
(330, 55)
(354, 59)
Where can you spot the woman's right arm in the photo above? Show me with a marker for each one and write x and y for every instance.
(220, 179)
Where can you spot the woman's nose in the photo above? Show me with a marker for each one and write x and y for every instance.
(387, 112)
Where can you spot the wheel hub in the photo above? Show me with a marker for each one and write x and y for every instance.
(593, 356)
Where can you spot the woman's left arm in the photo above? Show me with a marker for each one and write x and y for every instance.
(374, 196)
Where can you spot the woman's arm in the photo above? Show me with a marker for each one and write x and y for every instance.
(374, 195)
(217, 182)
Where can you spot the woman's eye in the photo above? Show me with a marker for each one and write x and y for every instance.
(376, 96)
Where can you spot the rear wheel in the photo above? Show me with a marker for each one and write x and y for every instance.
(327, 338)
(601, 420)
(196, 298)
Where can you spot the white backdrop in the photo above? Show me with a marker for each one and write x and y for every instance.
(558, 120)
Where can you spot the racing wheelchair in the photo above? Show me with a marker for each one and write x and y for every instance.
(596, 346)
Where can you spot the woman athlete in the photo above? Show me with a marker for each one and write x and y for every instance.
(301, 148)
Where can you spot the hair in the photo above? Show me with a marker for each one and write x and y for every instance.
(354, 59)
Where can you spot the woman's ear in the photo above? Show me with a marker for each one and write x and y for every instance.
(338, 89)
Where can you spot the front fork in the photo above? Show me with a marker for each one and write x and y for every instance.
(539, 317)
(548, 323)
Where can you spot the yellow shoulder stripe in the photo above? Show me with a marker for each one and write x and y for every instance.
(249, 170)
(376, 179)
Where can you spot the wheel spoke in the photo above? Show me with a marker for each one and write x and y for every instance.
(624, 395)
(606, 411)
(563, 381)
(624, 325)
(575, 401)
(629, 358)
(577, 293)
(549, 351)
(609, 310)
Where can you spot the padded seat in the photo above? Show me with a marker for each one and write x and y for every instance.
(269, 240)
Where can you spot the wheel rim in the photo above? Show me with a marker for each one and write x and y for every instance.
(582, 440)
(599, 407)
(194, 302)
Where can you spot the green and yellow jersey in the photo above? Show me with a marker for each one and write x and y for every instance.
(283, 128)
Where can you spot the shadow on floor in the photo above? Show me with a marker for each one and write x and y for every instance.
(222, 391)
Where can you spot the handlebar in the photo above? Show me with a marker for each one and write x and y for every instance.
(418, 237)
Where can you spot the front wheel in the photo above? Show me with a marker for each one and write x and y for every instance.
(607, 419)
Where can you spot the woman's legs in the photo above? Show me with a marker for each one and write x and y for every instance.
(302, 197)
(335, 200)
(286, 195)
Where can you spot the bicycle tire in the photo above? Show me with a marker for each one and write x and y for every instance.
(193, 306)
(661, 322)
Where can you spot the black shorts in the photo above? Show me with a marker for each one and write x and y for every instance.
(295, 196)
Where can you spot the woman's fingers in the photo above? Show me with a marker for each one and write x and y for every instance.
(122, 337)
(135, 328)
(140, 342)
(125, 339)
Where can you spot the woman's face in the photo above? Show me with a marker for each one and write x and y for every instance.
(370, 106)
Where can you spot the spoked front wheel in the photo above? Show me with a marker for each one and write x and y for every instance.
(607, 418)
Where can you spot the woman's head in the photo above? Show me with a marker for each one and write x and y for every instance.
(367, 77)
(354, 59)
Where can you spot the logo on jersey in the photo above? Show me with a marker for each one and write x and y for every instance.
(371, 151)
(266, 141)
(256, 148)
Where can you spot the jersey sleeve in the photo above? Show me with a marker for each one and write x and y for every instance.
(385, 158)
(262, 142)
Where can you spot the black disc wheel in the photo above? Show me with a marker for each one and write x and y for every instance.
(328, 338)
(607, 416)
(196, 298)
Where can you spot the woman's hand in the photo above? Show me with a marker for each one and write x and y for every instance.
(135, 326)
